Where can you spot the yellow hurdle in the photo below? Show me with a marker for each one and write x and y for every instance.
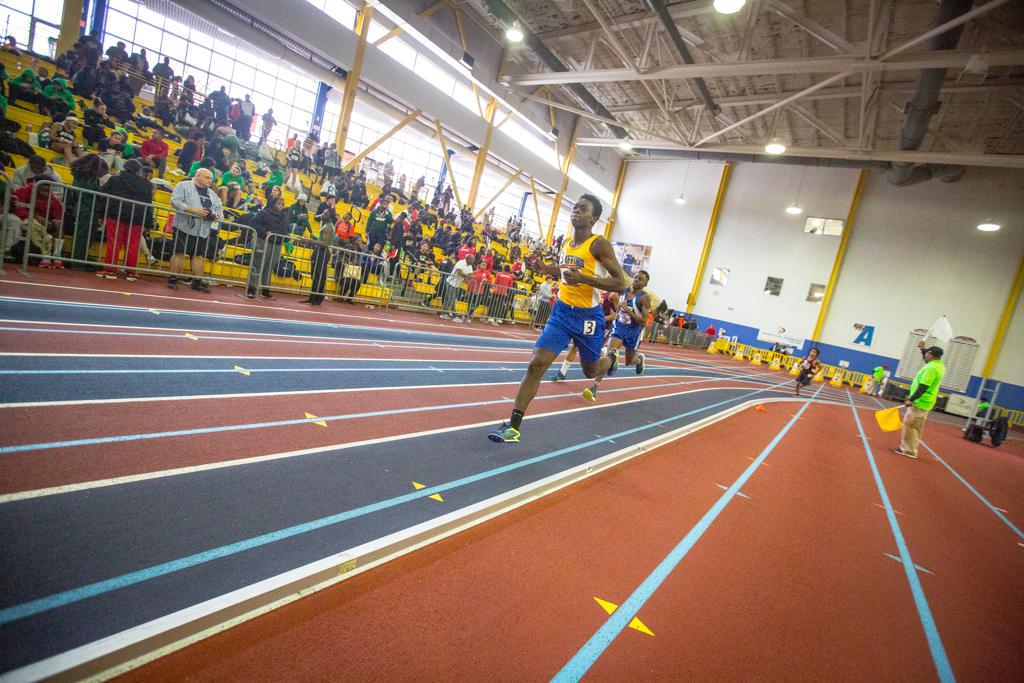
(836, 381)
(820, 377)
(738, 355)
(756, 360)
(795, 370)
(776, 363)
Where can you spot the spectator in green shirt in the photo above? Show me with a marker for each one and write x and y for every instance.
(205, 162)
(25, 87)
(876, 383)
(232, 175)
(275, 179)
(59, 100)
(924, 391)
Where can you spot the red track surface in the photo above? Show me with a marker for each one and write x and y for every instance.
(791, 584)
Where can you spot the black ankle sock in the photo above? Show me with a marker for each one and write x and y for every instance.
(516, 419)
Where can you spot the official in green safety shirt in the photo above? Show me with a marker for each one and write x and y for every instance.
(877, 380)
(924, 391)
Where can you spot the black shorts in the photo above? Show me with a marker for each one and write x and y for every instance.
(293, 163)
(804, 378)
(192, 245)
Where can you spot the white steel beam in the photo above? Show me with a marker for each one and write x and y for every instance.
(990, 160)
(917, 61)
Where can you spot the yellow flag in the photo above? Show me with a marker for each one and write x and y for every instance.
(889, 419)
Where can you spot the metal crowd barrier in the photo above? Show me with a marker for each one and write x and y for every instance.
(302, 265)
(89, 235)
(6, 210)
(418, 286)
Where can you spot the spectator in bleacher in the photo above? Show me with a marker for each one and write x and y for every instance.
(293, 164)
(358, 195)
(126, 220)
(163, 73)
(221, 103)
(197, 209)
(193, 150)
(63, 139)
(246, 113)
(347, 268)
(58, 101)
(232, 175)
(379, 222)
(208, 164)
(238, 201)
(453, 291)
(154, 153)
(119, 102)
(268, 125)
(111, 150)
(86, 172)
(11, 45)
(446, 200)
(140, 71)
(274, 179)
(320, 255)
(95, 121)
(35, 169)
(502, 295)
(188, 91)
(117, 54)
(41, 221)
(272, 220)
(25, 87)
(326, 214)
(332, 161)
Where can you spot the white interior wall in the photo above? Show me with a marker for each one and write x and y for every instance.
(915, 254)
(649, 215)
(756, 239)
(1010, 365)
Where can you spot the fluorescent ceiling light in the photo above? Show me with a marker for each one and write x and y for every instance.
(514, 34)
(626, 146)
(794, 210)
(729, 6)
(988, 227)
(776, 146)
(680, 200)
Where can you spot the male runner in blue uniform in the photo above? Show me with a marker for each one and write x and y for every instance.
(628, 328)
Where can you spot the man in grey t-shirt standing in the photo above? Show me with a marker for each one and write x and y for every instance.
(197, 208)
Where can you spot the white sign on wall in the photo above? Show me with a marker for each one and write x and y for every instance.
(779, 335)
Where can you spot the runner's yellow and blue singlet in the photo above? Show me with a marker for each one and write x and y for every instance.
(581, 295)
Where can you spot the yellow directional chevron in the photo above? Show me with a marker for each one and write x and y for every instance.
(311, 416)
(610, 607)
(239, 369)
(437, 496)
(191, 336)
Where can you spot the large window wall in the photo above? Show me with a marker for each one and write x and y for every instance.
(214, 59)
(33, 23)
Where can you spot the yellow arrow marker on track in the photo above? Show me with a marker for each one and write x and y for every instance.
(191, 336)
(311, 416)
(610, 607)
(239, 369)
(437, 496)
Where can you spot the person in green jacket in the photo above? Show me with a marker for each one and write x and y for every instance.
(924, 391)
(25, 87)
(275, 179)
(380, 221)
(877, 380)
(57, 98)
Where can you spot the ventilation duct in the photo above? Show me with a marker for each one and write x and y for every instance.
(922, 107)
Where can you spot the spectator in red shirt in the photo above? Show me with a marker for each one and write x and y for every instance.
(517, 266)
(479, 287)
(466, 249)
(154, 152)
(710, 331)
(488, 259)
(500, 305)
(41, 220)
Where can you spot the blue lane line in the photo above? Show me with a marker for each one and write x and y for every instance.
(21, 448)
(56, 600)
(973, 490)
(581, 662)
(924, 613)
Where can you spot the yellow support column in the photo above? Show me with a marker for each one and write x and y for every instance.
(1004, 322)
(354, 161)
(840, 253)
(615, 200)
(709, 238)
(511, 179)
(70, 26)
(536, 204)
(447, 160)
(481, 155)
(566, 165)
(348, 98)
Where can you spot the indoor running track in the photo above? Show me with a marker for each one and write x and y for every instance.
(131, 489)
